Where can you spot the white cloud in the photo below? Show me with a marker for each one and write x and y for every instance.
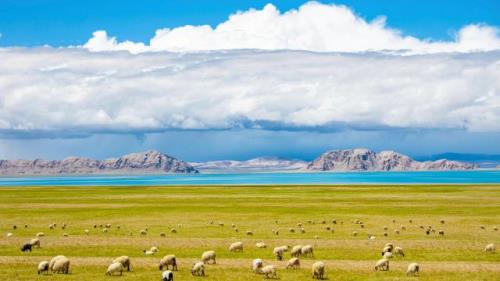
(312, 27)
(73, 91)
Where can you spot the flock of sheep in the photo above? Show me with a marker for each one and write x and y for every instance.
(61, 264)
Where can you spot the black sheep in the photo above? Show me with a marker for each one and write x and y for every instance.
(26, 247)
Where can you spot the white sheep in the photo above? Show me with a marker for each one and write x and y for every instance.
(115, 267)
(278, 252)
(490, 248)
(382, 265)
(257, 265)
(249, 232)
(208, 256)
(386, 249)
(154, 249)
(168, 260)
(53, 261)
(148, 252)
(61, 265)
(260, 245)
(413, 269)
(124, 260)
(318, 270)
(296, 251)
(40, 234)
(143, 232)
(43, 267)
(354, 233)
(398, 251)
(387, 255)
(236, 247)
(167, 275)
(307, 251)
(269, 271)
(198, 269)
(86, 231)
(293, 263)
(9, 234)
(35, 242)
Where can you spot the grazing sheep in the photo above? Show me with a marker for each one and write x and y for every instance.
(386, 234)
(53, 261)
(296, 251)
(257, 265)
(61, 265)
(52, 226)
(398, 251)
(269, 271)
(278, 252)
(386, 228)
(14, 227)
(26, 247)
(198, 269)
(387, 255)
(410, 221)
(260, 245)
(143, 232)
(382, 265)
(482, 227)
(104, 230)
(115, 267)
(334, 221)
(167, 275)
(293, 263)
(490, 248)
(403, 227)
(386, 249)
(249, 232)
(221, 224)
(148, 252)
(65, 234)
(396, 231)
(208, 256)
(318, 270)
(86, 231)
(354, 233)
(495, 228)
(43, 267)
(371, 237)
(35, 242)
(291, 230)
(413, 269)
(442, 221)
(40, 234)
(236, 247)
(173, 230)
(154, 249)
(163, 234)
(9, 234)
(302, 230)
(168, 260)
(124, 260)
(307, 251)
(441, 232)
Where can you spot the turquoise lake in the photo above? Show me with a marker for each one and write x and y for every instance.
(434, 177)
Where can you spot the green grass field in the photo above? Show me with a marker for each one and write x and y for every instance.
(458, 255)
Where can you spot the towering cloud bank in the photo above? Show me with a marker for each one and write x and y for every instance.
(312, 27)
(320, 67)
(71, 92)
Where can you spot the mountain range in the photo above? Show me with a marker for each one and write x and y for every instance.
(154, 162)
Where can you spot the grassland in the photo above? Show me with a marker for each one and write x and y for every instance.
(455, 256)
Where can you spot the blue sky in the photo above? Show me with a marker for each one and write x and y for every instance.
(290, 79)
(61, 22)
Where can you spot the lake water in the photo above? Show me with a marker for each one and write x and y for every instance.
(434, 177)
